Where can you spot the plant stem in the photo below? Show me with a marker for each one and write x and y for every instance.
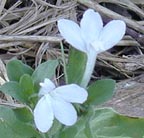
(43, 135)
(91, 58)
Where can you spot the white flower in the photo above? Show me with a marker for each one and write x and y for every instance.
(56, 102)
(91, 34)
(91, 37)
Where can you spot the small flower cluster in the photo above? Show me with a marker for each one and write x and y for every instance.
(91, 38)
(56, 102)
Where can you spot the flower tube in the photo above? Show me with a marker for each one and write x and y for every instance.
(91, 37)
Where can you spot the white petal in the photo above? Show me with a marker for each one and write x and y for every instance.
(98, 46)
(91, 25)
(71, 93)
(64, 111)
(43, 114)
(46, 87)
(112, 33)
(72, 33)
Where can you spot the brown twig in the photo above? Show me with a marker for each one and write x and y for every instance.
(33, 38)
(109, 13)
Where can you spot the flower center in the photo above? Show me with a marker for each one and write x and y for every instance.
(98, 46)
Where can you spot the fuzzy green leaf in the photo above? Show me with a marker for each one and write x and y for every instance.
(11, 127)
(44, 70)
(105, 123)
(24, 114)
(27, 86)
(15, 69)
(13, 89)
(100, 91)
(76, 66)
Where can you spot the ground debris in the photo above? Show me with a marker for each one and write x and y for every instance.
(129, 97)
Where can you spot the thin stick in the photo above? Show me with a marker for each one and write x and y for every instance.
(109, 13)
(64, 63)
(30, 38)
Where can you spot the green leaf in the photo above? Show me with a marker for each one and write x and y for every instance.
(15, 69)
(75, 131)
(11, 127)
(44, 70)
(20, 91)
(27, 86)
(13, 89)
(54, 132)
(24, 114)
(105, 123)
(76, 66)
(100, 91)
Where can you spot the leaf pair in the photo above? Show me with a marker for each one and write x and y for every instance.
(99, 122)
(99, 91)
(105, 123)
(11, 127)
(24, 81)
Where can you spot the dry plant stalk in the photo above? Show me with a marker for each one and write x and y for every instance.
(20, 26)
(109, 13)
(30, 38)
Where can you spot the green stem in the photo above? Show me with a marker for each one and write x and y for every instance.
(91, 59)
(43, 135)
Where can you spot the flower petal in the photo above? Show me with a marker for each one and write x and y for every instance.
(91, 25)
(112, 33)
(71, 93)
(46, 87)
(43, 114)
(72, 33)
(64, 111)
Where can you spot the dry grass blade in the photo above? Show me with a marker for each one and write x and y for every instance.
(109, 13)
(2, 4)
(22, 25)
(141, 2)
(13, 105)
(3, 71)
(30, 38)
(127, 4)
(10, 9)
(50, 5)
